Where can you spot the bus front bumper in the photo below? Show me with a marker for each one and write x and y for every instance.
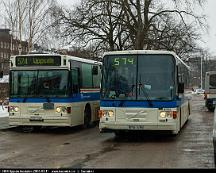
(61, 122)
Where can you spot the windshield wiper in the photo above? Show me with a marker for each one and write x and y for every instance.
(145, 94)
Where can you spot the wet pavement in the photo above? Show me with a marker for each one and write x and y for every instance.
(87, 148)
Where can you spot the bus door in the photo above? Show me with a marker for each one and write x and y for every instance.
(75, 87)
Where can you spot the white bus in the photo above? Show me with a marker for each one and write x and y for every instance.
(53, 90)
(141, 90)
(210, 90)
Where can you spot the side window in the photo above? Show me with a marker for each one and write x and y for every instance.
(75, 80)
(86, 76)
(97, 79)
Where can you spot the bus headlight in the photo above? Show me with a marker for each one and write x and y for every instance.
(60, 109)
(168, 114)
(110, 113)
(105, 113)
(163, 114)
(13, 108)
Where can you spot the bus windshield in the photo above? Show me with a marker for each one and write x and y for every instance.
(39, 83)
(212, 81)
(138, 77)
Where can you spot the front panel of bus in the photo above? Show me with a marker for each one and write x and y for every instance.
(210, 90)
(139, 92)
(39, 90)
(52, 90)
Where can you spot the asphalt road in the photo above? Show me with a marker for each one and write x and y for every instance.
(87, 148)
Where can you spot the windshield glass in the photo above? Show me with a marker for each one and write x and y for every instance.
(119, 77)
(40, 83)
(138, 77)
(212, 81)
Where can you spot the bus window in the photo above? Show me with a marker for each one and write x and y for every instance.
(86, 75)
(97, 79)
(212, 81)
(75, 80)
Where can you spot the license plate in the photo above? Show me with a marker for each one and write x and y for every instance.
(36, 118)
(48, 106)
(136, 127)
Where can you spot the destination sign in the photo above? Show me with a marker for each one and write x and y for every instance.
(123, 61)
(38, 60)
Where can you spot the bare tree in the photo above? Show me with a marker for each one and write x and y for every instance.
(37, 24)
(143, 16)
(132, 24)
(93, 22)
(28, 18)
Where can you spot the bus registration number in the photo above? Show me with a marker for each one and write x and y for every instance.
(136, 127)
(36, 118)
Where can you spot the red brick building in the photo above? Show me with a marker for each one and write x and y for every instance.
(9, 46)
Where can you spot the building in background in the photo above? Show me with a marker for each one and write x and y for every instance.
(9, 46)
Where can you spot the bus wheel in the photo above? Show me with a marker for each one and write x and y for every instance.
(210, 108)
(119, 133)
(87, 117)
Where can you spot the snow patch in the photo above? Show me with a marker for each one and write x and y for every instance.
(5, 79)
(3, 111)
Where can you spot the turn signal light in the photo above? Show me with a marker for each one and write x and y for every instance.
(174, 114)
(100, 113)
(68, 110)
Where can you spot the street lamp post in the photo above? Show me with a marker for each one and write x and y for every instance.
(201, 72)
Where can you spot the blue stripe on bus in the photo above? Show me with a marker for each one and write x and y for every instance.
(142, 104)
(75, 98)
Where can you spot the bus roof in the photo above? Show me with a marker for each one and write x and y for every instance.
(211, 72)
(67, 56)
(178, 59)
(83, 60)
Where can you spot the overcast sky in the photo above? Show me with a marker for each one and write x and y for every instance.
(210, 39)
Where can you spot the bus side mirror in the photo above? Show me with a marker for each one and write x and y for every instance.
(181, 88)
(1, 74)
(95, 70)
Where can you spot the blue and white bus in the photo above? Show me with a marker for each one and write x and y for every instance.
(141, 90)
(53, 90)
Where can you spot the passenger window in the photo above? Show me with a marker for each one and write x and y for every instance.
(75, 80)
(86, 76)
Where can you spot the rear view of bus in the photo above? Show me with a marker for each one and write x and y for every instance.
(141, 90)
(210, 90)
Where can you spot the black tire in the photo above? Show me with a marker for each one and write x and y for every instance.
(211, 109)
(214, 147)
(215, 160)
(87, 117)
(119, 133)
